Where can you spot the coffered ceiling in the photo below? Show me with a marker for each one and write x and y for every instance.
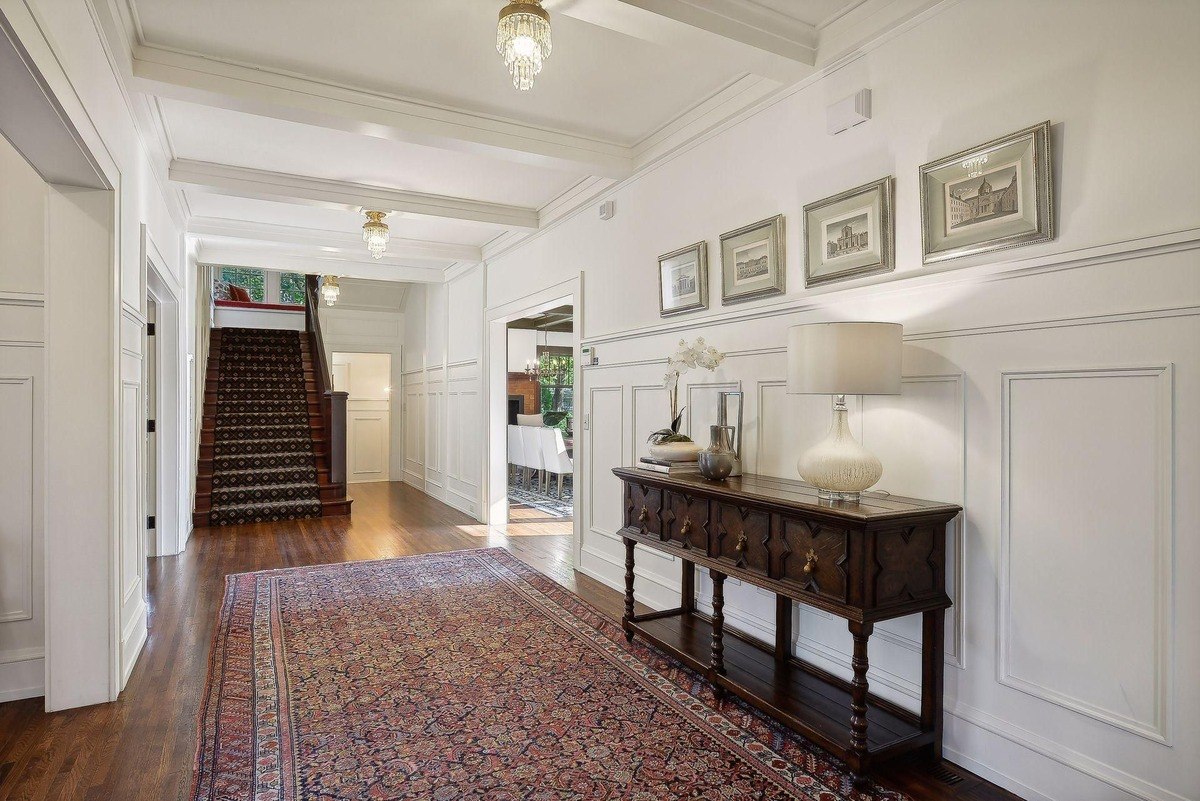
(282, 119)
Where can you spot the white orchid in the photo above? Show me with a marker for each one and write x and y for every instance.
(687, 357)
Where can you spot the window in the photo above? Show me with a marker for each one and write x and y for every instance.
(253, 281)
(291, 288)
(556, 367)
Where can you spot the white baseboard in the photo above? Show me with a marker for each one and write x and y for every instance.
(22, 674)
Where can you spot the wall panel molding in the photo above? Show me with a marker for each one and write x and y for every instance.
(18, 433)
(1159, 727)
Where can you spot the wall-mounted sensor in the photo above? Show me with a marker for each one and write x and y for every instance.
(844, 114)
(606, 210)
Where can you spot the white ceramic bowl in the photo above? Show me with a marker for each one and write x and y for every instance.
(676, 451)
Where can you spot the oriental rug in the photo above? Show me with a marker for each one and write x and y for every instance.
(468, 675)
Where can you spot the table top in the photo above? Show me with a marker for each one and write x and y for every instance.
(796, 495)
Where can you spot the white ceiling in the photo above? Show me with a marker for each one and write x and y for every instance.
(444, 51)
(290, 116)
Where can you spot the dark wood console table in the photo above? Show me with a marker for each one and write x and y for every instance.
(878, 559)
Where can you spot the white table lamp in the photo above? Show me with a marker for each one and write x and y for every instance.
(843, 359)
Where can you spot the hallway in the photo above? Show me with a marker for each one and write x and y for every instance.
(142, 747)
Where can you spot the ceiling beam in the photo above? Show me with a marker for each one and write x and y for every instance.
(267, 93)
(763, 41)
(343, 195)
(217, 254)
(329, 243)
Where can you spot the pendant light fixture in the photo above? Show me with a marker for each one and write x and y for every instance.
(330, 289)
(375, 233)
(523, 38)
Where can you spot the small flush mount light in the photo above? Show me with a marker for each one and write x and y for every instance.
(523, 38)
(330, 289)
(375, 233)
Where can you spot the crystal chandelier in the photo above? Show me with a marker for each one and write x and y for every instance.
(523, 38)
(375, 233)
(533, 370)
(330, 289)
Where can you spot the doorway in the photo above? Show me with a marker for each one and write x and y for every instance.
(540, 435)
(366, 378)
(508, 482)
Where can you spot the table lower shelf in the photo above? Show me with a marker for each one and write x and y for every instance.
(814, 703)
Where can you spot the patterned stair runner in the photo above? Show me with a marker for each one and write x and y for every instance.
(264, 464)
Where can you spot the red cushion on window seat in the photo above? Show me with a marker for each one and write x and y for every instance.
(239, 293)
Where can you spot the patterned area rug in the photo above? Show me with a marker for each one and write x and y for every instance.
(468, 675)
(550, 503)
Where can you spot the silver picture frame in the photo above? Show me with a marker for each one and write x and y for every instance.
(851, 234)
(683, 280)
(989, 197)
(752, 261)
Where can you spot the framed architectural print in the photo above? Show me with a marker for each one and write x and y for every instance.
(683, 280)
(851, 234)
(996, 195)
(752, 264)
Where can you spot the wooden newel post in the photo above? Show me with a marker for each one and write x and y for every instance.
(337, 436)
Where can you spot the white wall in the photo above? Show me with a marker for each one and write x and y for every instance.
(443, 390)
(1050, 390)
(97, 616)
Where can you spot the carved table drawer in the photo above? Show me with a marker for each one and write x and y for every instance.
(815, 558)
(685, 521)
(741, 536)
(643, 508)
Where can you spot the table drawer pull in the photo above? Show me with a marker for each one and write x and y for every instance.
(810, 562)
(643, 515)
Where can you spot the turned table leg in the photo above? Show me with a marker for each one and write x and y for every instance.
(861, 632)
(717, 661)
(627, 620)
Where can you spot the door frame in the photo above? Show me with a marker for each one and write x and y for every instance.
(494, 511)
(173, 501)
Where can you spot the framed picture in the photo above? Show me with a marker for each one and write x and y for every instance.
(683, 280)
(997, 195)
(851, 234)
(752, 264)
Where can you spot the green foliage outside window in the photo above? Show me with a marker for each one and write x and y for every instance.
(291, 288)
(557, 390)
(253, 281)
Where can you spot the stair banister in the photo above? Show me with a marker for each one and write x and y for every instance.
(333, 404)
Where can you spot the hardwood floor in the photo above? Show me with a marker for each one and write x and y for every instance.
(141, 747)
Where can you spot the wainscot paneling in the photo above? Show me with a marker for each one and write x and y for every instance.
(1074, 440)
(17, 432)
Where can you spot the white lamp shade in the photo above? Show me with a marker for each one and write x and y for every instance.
(844, 359)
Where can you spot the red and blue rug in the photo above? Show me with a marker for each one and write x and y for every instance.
(468, 675)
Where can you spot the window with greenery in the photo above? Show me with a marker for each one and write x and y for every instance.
(253, 281)
(556, 367)
(291, 288)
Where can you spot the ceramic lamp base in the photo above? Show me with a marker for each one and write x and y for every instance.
(839, 467)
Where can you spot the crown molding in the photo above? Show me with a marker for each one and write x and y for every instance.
(298, 98)
(329, 242)
(265, 185)
(313, 263)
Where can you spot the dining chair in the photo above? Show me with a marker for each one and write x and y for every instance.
(516, 452)
(554, 457)
(532, 453)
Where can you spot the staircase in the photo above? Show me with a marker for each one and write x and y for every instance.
(264, 450)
